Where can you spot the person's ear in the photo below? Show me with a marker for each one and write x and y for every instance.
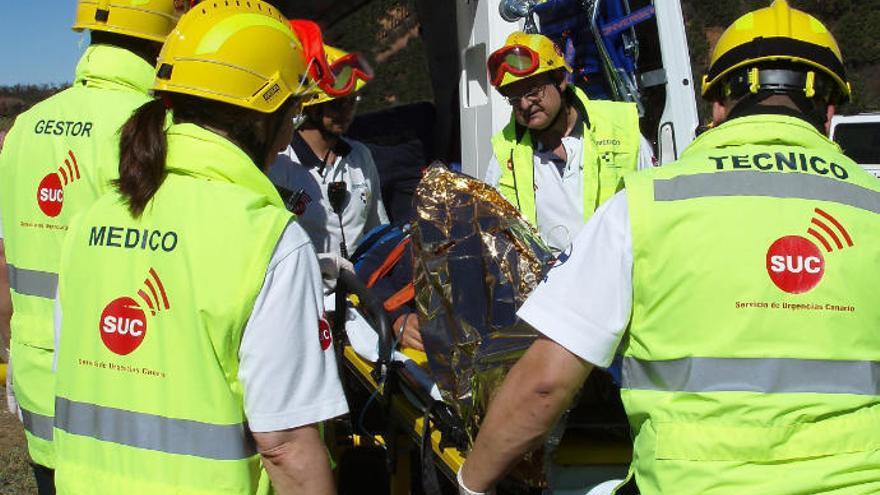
(830, 110)
(560, 80)
(719, 112)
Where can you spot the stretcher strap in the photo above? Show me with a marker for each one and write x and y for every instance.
(401, 297)
(389, 262)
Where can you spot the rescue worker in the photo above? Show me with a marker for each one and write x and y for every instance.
(192, 341)
(562, 154)
(319, 156)
(57, 159)
(736, 284)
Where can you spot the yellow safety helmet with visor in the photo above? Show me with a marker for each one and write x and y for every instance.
(349, 71)
(221, 51)
(524, 55)
(781, 49)
(146, 19)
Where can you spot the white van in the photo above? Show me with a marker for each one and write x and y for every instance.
(859, 136)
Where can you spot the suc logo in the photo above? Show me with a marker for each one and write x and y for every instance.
(796, 264)
(325, 336)
(50, 191)
(123, 323)
(302, 202)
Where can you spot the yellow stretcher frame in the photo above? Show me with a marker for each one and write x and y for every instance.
(575, 450)
(406, 414)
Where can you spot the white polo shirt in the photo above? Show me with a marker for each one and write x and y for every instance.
(559, 190)
(287, 367)
(298, 169)
(585, 302)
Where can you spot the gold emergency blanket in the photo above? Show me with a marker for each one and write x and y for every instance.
(476, 260)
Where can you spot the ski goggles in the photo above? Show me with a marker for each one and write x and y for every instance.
(312, 41)
(517, 60)
(345, 73)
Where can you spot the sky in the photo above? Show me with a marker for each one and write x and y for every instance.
(36, 43)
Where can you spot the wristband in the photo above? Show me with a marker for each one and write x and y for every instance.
(463, 490)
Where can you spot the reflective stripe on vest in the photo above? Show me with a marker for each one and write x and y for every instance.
(765, 375)
(775, 185)
(36, 424)
(33, 282)
(148, 431)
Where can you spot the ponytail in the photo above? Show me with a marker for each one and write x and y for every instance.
(142, 150)
(143, 145)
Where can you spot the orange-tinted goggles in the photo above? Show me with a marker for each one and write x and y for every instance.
(518, 60)
(346, 72)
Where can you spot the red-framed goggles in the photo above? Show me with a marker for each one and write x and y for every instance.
(346, 71)
(309, 34)
(517, 60)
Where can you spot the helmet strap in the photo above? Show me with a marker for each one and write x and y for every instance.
(751, 86)
(806, 110)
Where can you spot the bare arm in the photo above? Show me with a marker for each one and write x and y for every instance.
(5, 303)
(296, 461)
(535, 393)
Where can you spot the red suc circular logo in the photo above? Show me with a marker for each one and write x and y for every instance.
(123, 326)
(50, 196)
(324, 333)
(795, 264)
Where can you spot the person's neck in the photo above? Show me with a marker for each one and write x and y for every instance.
(261, 162)
(319, 141)
(561, 127)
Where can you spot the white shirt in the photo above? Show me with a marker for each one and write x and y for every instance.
(585, 302)
(297, 168)
(287, 378)
(559, 190)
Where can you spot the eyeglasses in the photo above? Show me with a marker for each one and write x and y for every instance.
(534, 94)
(518, 60)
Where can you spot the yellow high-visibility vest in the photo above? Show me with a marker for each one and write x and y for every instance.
(751, 362)
(148, 396)
(57, 159)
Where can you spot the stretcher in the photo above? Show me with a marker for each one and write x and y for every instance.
(415, 427)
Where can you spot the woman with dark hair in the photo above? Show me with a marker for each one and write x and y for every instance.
(192, 341)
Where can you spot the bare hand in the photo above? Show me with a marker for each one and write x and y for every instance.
(406, 327)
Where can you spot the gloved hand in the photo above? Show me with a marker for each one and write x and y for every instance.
(330, 265)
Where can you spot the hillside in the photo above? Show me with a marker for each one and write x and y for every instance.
(18, 98)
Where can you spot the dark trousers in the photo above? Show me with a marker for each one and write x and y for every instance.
(45, 479)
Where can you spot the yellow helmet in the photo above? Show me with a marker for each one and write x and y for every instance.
(524, 55)
(241, 53)
(350, 73)
(778, 33)
(147, 19)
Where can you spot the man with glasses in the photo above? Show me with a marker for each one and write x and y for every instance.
(562, 155)
(738, 285)
(319, 156)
